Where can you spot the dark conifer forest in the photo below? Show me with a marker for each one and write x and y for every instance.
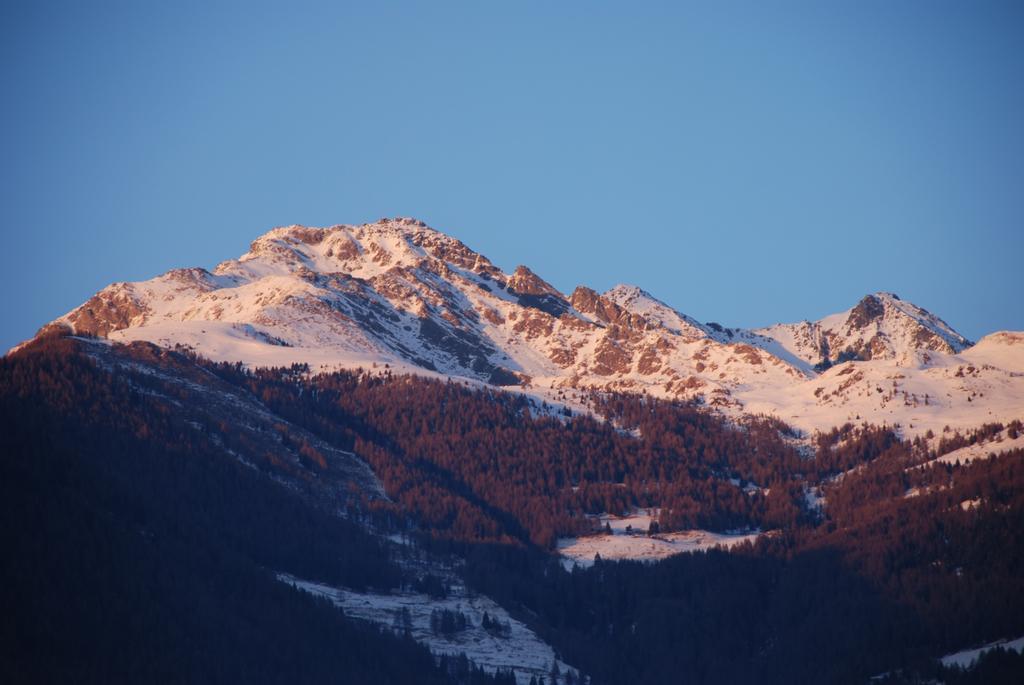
(146, 520)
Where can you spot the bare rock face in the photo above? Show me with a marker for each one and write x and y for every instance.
(611, 358)
(534, 292)
(925, 339)
(649, 362)
(748, 353)
(309, 236)
(449, 251)
(112, 309)
(587, 301)
(534, 324)
(866, 311)
(525, 282)
(343, 248)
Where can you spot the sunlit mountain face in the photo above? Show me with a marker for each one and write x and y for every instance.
(400, 293)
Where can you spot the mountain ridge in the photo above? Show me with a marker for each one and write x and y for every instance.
(397, 292)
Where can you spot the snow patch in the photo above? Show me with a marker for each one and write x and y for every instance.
(968, 657)
(629, 540)
(518, 648)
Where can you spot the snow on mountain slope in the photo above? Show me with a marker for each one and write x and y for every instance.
(1003, 349)
(397, 292)
(968, 658)
(515, 646)
(997, 446)
(640, 302)
(922, 391)
(400, 293)
(390, 292)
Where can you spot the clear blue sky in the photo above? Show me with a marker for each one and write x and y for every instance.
(746, 164)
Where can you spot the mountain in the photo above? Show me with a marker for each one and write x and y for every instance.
(185, 515)
(399, 293)
(880, 326)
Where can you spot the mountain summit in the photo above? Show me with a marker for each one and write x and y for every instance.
(880, 326)
(400, 293)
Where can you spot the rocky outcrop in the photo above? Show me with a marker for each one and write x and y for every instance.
(112, 309)
(865, 312)
(532, 291)
(587, 301)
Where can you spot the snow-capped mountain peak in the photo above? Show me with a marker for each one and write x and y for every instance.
(879, 326)
(400, 293)
(888, 313)
(638, 301)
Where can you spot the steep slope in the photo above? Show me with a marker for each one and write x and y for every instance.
(641, 303)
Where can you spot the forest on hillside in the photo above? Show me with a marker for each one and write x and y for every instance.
(148, 532)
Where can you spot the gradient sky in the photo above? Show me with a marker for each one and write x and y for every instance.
(745, 164)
